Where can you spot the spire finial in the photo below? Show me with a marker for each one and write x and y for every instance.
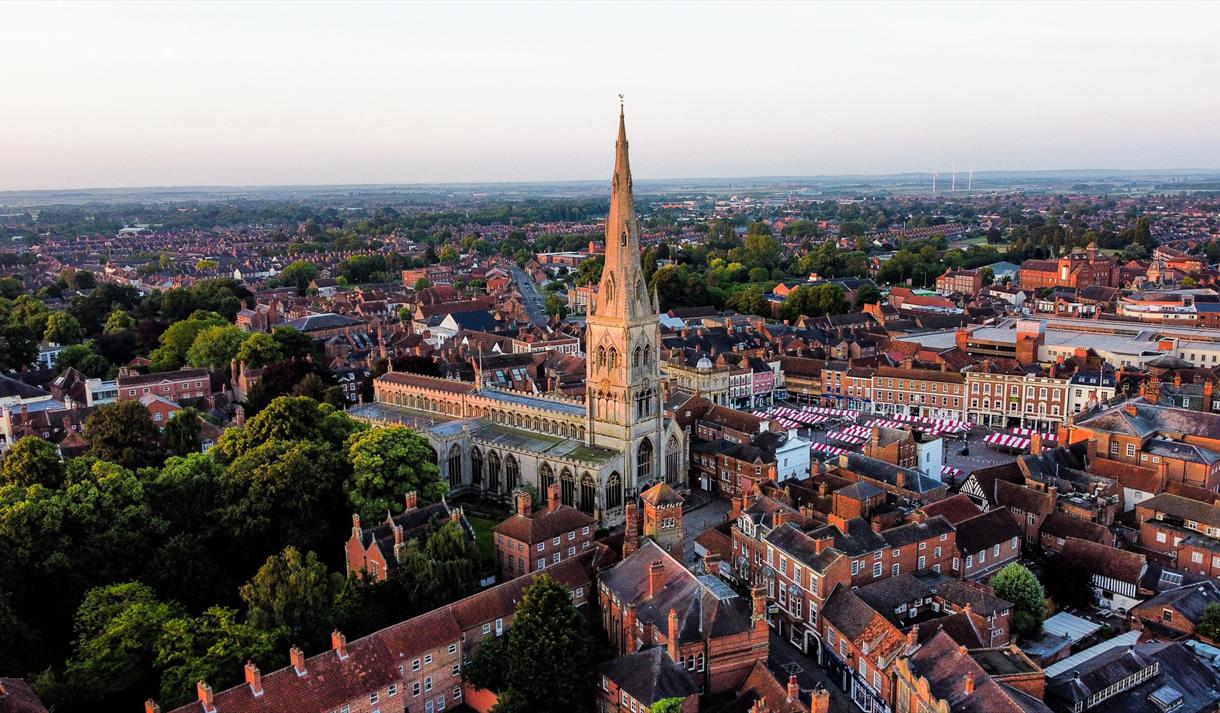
(620, 105)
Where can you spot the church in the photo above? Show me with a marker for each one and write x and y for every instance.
(601, 451)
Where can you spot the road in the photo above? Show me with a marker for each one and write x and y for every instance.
(530, 299)
(785, 660)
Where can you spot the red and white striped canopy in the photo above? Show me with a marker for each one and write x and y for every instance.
(1005, 440)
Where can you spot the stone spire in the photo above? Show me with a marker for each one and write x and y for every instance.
(622, 292)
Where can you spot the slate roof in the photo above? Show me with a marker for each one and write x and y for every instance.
(319, 322)
(913, 532)
(702, 613)
(1060, 524)
(946, 665)
(802, 547)
(649, 675)
(1182, 676)
(1189, 600)
(1184, 508)
(1149, 419)
(983, 532)
(859, 539)
(414, 523)
(16, 696)
(879, 470)
(1019, 497)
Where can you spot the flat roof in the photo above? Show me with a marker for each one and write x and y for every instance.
(1070, 663)
(1070, 626)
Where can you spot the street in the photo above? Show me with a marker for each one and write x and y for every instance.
(695, 521)
(786, 659)
(530, 299)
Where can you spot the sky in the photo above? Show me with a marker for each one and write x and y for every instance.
(160, 94)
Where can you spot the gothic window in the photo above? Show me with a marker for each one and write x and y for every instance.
(672, 461)
(613, 358)
(455, 466)
(567, 487)
(512, 474)
(601, 357)
(476, 466)
(647, 354)
(582, 433)
(610, 289)
(614, 491)
(546, 478)
(635, 360)
(493, 471)
(588, 493)
(643, 462)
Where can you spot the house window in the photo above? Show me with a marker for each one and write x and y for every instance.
(427, 684)
(1166, 615)
(428, 659)
(373, 697)
(876, 569)
(1130, 450)
(452, 649)
(415, 665)
(895, 569)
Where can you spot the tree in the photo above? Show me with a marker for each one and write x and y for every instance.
(83, 359)
(813, 302)
(555, 306)
(117, 627)
(299, 274)
(1068, 584)
(868, 294)
(292, 342)
(32, 460)
(119, 321)
(179, 338)
(1018, 585)
(750, 302)
(1209, 623)
(62, 328)
(387, 462)
(258, 350)
(181, 434)
(214, 647)
(486, 669)
(422, 283)
(448, 255)
(215, 347)
(987, 275)
(123, 432)
(294, 593)
(549, 652)
(667, 705)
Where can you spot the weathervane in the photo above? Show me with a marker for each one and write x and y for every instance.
(620, 103)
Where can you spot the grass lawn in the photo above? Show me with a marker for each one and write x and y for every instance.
(484, 542)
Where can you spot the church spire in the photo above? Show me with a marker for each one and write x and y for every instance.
(622, 291)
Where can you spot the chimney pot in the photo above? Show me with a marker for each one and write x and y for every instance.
(655, 571)
(338, 642)
(411, 499)
(150, 706)
(821, 700)
(968, 684)
(794, 688)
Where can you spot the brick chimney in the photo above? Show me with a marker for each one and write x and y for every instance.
(204, 694)
(656, 570)
(631, 528)
(296, 658)
(455, 516)
(1130, 409)
(968, 684)
(758, 607)
(1035, 443)
(525, 503)
(711, 563)
(821, 700)
(552, 497)
(794, 688)
(900, 479)
(629, 626)
(338, 642)
(672, 633)
(411, 500)
(150, 706)
(254, 678)
(736, 511)
(913, 635)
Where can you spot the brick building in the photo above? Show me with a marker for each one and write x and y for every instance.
(1079, 269)
(987, 542)
(663, 517)
(960, 282)
(377, 551)
(1181, 532)
(413, 665)
(529, 541)
(650, 599)
(919, 392)
(177, 386)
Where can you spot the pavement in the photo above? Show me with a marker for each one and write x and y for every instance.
(531, 300)
(786, 660)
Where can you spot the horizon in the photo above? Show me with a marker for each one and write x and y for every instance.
(225, 95)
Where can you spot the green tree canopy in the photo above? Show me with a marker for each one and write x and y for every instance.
(386, 463)
(549, 653)
(62, 328)
(123, 432)
(181, 434)
(258, 350)
(814, 301)
(85, 360)
(215, 347)
(178, 339)
(299, 274)
(119, 321)
(214, 647)
(1020, 586)
(30, 461)
(868, 294)
(1209, 623)
(292, 342)
(292, 592)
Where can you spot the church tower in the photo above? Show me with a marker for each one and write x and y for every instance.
(623, 377)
